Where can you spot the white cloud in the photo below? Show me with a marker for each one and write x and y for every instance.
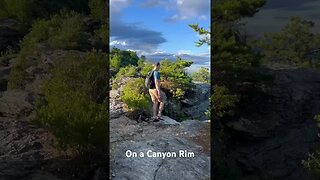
(188, 9)
(185, 9)
(192, 8)
(130, 36)
(114, 43)
(184, 52)
(196, 67)
(167, 4)
(135, 37)
(198, 59)
(203, 17)
(118, 5)
(204, 36)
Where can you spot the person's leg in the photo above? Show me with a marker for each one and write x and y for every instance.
(155, 108)
(161, 107)
(162, 102)
(153, 96)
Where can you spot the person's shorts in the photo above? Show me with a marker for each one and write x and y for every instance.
(154, 96)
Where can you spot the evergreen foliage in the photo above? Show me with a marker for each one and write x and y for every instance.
(28, 11)
(73, 108)
(202, 75)
(133, 95)
(119, 58)
(293, 44)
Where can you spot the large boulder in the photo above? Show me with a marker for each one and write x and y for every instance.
(192, 136)
(16, 103)
(195, 105)
(24, 147)
(275, 129)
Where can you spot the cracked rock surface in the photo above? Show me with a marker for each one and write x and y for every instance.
(275, 130)
(192, 136)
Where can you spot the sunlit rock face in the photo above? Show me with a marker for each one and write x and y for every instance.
(159, 150)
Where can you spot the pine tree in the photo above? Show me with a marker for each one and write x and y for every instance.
(293, 44)
(230, 49)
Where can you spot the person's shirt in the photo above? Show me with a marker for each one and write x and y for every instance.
(156, 76)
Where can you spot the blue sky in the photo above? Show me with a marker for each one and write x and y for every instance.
(159, 28)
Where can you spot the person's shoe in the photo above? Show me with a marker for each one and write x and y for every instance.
(155, 119)
(160, 118)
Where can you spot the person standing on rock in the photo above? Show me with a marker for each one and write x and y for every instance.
(158, 97)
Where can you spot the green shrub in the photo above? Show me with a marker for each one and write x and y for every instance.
(102, 33)
(115, 61)
(292, 44)
(312, 163)
(27, 11)
(99, 9)
(75, 110)
(127, 71)
(115, 84)
(202, 75)
(20, 9)
(133, 95)
(69, 34)
(317, 118)
(176, 80)
(63, 31)
(18, 75)
(223, 102)
(178, 93)
(208, 113)
(119, 58)
(144, 67)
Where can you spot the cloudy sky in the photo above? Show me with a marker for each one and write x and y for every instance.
(276, 14)
(159, 28)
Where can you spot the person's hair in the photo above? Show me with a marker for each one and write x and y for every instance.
(156, 64)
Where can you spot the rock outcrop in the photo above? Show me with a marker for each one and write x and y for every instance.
(24, 146)
(198, 103)
(276, 128)
(167, 136)
(117, 107)
(11, 31)
(26, 149)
